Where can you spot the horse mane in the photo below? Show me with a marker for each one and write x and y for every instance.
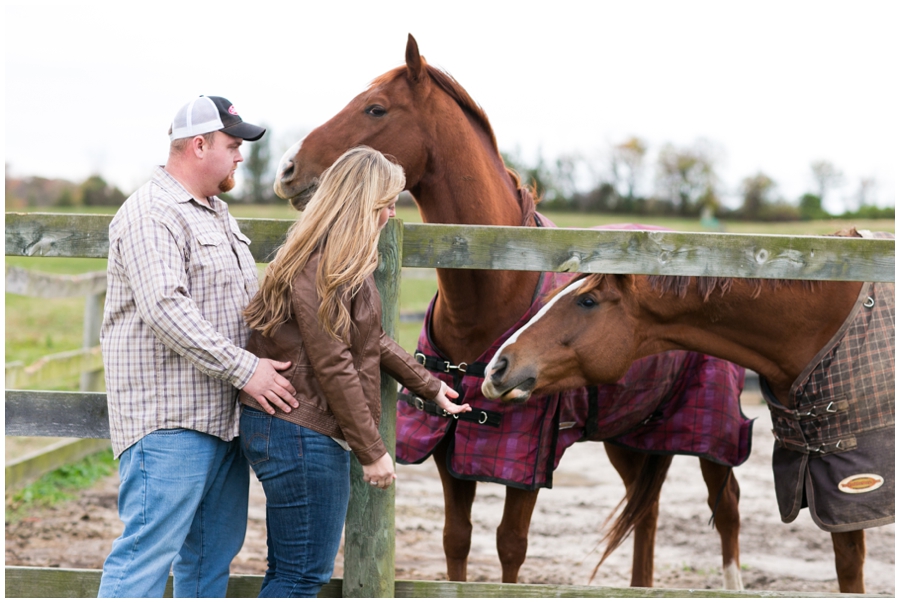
(706, 286)
(448, 84)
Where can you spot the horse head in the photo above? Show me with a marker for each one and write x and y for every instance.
(425, 121)
(582, 336)
(388, 117)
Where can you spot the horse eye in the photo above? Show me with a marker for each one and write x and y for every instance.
(376, 110)
(586, 301)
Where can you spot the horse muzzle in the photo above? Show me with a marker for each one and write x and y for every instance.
(517, 394)
(290, 184)
(498, 383)
(298, 199)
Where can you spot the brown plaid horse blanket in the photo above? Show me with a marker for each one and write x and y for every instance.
(834, 442)
(676, 402)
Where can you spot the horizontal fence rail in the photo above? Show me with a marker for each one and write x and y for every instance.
(542, 249)
(54, 368)
(24, 470)
(47, 286)
(51, 583)
(56, 414)
(648, 252)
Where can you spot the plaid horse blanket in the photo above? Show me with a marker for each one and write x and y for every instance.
(834, 441)
(672, 403)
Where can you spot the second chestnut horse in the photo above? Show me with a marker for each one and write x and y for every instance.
(824, 351)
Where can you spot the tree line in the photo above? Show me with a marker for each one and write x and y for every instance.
(36, 191)
(685, 183)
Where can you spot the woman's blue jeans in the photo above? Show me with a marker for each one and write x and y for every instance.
(306, 478)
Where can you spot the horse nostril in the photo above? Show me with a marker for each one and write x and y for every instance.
(499, 369)
(287, 170)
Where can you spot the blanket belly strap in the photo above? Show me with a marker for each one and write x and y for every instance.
(439, 365)
(820, 448)
(476, 415)
(814, 411)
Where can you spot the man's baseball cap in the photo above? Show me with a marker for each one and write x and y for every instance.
(207, 114)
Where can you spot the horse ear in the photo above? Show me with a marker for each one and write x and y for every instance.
(622, 283)
(415, 64)
(625, 282)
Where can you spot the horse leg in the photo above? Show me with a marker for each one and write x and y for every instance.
(849, 556)
(628, 464)
(727, 517)
(458, 497)
(512, 533)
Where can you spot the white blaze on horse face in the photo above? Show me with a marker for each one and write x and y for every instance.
(487, 387)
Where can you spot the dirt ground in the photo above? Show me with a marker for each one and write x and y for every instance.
(564, 531)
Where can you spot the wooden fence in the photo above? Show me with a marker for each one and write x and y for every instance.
(369, 534)
(86, 362)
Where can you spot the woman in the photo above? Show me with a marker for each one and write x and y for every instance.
(318, 308)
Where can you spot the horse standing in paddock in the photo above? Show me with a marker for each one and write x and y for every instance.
(432, 127)
(824, 351)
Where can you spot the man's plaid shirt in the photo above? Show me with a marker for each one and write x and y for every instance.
(179, 277)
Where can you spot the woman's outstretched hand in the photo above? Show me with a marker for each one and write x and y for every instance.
(443, 400)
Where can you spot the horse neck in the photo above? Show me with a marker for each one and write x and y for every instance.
(776, 334)
(471, 186)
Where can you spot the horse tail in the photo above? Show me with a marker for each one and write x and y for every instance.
(640, 496)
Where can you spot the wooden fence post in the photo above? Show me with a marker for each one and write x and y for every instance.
(93, 315)
(369, 531)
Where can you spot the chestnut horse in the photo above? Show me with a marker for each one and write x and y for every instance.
(430, 125)
(799, 336)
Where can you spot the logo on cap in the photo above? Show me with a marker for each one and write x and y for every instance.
(858, 484)
(232, 110)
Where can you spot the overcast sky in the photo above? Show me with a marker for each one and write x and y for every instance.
(92, 86)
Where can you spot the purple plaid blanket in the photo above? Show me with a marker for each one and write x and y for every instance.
(676, 402)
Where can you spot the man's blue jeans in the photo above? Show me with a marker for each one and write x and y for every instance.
(183, 500)
(306, 478)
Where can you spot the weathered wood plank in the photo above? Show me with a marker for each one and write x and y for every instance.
(561, 250)
(87, 235)
(45, 285)
(265, 236)
(51, 583)
(24, 470)
(80, 583)
(648, 252)
(488, 590)
(57, 235)
(53, 368)
(56, 414)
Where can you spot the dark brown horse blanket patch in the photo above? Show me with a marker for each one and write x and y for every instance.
(834, 448)
(677, 403)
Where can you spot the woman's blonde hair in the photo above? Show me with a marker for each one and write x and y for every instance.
(341, 220)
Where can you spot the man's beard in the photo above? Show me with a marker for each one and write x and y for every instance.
(227, 184)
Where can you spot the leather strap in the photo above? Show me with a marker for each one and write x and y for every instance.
(476, 415)
(439, 365)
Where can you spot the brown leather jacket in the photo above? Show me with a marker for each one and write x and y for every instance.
(339, 386)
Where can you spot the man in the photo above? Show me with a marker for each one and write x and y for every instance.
(180, 273)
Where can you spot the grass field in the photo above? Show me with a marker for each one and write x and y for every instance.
(35, 328)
